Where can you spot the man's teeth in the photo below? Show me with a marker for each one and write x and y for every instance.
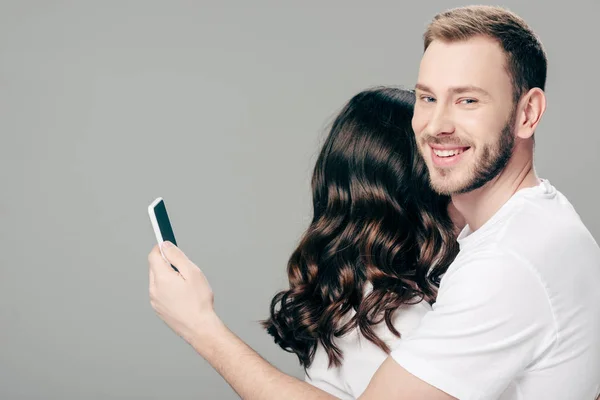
(447, 153)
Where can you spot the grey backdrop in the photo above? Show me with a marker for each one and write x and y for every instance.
(219, 108)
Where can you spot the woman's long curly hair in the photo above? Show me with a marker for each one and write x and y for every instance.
(376, 220)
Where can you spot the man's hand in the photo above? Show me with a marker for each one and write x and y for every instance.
(184, 299)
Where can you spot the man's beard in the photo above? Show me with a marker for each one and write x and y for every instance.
(492, 160)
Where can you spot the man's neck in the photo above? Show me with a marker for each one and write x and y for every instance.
(479, 205)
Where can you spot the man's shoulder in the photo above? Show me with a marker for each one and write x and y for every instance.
(540, 241)
(489, 268)
(538, 225)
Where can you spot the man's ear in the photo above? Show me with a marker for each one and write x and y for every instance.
(530, 109)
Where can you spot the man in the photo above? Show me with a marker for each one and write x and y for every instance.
(518, 312)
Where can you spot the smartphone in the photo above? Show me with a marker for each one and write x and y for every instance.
(161, 224)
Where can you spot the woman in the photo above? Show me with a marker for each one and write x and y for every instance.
(362, 274)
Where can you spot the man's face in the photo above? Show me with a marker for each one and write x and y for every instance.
(464, 115)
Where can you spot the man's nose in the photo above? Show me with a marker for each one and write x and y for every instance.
(441, 122)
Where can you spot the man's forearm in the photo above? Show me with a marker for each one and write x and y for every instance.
(250, 375)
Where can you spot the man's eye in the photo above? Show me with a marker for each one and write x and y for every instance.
(468, 101)
(427, 99)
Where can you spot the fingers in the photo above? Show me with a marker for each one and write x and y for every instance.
(176, 257)
(158, 265)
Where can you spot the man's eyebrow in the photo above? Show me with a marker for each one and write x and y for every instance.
(468, 88)
(423, 88)
(455, 89)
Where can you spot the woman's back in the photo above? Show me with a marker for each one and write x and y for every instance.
(377, 225)
(361, 357)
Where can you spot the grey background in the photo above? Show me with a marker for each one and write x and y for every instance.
(219, 108)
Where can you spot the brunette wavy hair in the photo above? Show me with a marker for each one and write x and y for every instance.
(375, 220)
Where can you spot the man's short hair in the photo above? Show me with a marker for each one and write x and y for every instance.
(525, 56)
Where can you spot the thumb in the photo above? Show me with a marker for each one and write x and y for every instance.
(174, 255)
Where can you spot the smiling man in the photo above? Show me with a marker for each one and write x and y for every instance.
(518, 312)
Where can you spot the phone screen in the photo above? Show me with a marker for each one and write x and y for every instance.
(164, 224)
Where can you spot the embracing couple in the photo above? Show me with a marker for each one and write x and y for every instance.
(438, 265)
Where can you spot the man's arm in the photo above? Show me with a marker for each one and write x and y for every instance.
(184, 301)
(393, 382)
(252, 377)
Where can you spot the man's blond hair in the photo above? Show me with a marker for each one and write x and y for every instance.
(526, 59)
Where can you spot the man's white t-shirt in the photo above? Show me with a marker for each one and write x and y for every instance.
(517, 315)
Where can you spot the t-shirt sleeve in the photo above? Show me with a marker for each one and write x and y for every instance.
(492, 318)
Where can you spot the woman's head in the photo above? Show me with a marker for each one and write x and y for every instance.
(375, 220)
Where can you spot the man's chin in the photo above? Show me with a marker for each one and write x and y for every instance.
(443, 189)
(447, 186)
